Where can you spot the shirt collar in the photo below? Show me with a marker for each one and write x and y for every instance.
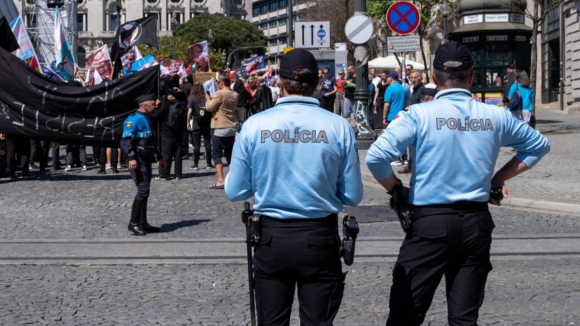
(450, 91)
(294, 99)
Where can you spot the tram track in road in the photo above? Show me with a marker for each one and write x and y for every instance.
(212, 251)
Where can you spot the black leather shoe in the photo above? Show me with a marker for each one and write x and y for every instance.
(136, 229)
(151, 229)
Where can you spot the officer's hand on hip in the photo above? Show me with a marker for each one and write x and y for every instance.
(495, 183)
(385, 123)
(161, 163)
(133, 165)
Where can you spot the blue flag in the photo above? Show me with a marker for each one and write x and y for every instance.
(64, 58)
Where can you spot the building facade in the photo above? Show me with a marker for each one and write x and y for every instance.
(98, 20)
(272, 17)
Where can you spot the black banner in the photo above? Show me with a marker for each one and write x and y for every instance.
(34, 106)
(7, 40)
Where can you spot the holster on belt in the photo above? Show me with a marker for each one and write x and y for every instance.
(350, 231)
(399, 203)
(253, 223)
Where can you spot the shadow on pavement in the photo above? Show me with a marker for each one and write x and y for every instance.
(540, 121)
(166, 228)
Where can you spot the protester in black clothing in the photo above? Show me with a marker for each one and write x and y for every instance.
(266, 95)
(186, 84)
(243, 99)
(171, 137)
(18, 146)
(3, 162)
(379, 99)
(200, 125)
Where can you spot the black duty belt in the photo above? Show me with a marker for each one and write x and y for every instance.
(457, 207)
(326, 221)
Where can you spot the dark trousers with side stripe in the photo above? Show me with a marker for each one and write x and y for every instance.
(456, 245)
(298, 253)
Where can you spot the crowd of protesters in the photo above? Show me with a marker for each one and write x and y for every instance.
(253, 95)
(182, 98)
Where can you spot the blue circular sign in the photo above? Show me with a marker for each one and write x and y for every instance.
(403, 17)
(321, 33)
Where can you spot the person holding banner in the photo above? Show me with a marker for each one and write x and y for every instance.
(138, 143)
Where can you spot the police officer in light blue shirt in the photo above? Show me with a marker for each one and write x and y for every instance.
(300, 163)
(456, 141)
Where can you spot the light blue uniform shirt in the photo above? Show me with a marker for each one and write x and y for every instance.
(396, 95)
(456, 141)
(298, 161)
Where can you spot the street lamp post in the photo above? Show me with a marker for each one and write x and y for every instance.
(365, 134)
(445, 12)
(174, 26)
(209, 38)
(118, 7)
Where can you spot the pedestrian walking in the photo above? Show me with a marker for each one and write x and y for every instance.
(224, 123)
(138, 143)
(300, 163)
(522, 85)
(456, 142)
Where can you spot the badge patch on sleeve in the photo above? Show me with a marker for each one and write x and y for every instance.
(128, 125)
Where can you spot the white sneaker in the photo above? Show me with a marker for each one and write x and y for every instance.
(396, 163)
(67, 168)
(118, 166)
(108, 167)
(84, 168)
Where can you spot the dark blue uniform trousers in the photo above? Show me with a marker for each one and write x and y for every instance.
(303, 253)
(456, 245)
(142, 178)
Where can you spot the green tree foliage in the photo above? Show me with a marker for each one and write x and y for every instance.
(228, 34)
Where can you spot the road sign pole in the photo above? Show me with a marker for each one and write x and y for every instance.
(361, 94)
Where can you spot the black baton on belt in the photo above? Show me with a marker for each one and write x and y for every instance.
(246, 214)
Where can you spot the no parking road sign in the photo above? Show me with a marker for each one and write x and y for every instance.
(403, 17)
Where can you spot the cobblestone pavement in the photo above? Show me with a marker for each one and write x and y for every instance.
(83, 206)
(519, 292)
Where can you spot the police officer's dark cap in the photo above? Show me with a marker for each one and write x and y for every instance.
(429, 91)
(145, 98)
(296, 59)
(393, 74)
(513, 66)
(453, 56)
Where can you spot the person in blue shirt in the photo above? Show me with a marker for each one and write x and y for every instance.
(522, 85)
(456, 142)
(300, 162)
(395, 98)
(138, 143)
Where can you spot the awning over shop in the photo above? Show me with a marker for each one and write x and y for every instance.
(481, 27)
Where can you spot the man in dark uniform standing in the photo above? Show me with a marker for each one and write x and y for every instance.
(456, 142)
(300, 162)
(138, 143)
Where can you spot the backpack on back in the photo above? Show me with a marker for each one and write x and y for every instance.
(177, 116)
(515, 103)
